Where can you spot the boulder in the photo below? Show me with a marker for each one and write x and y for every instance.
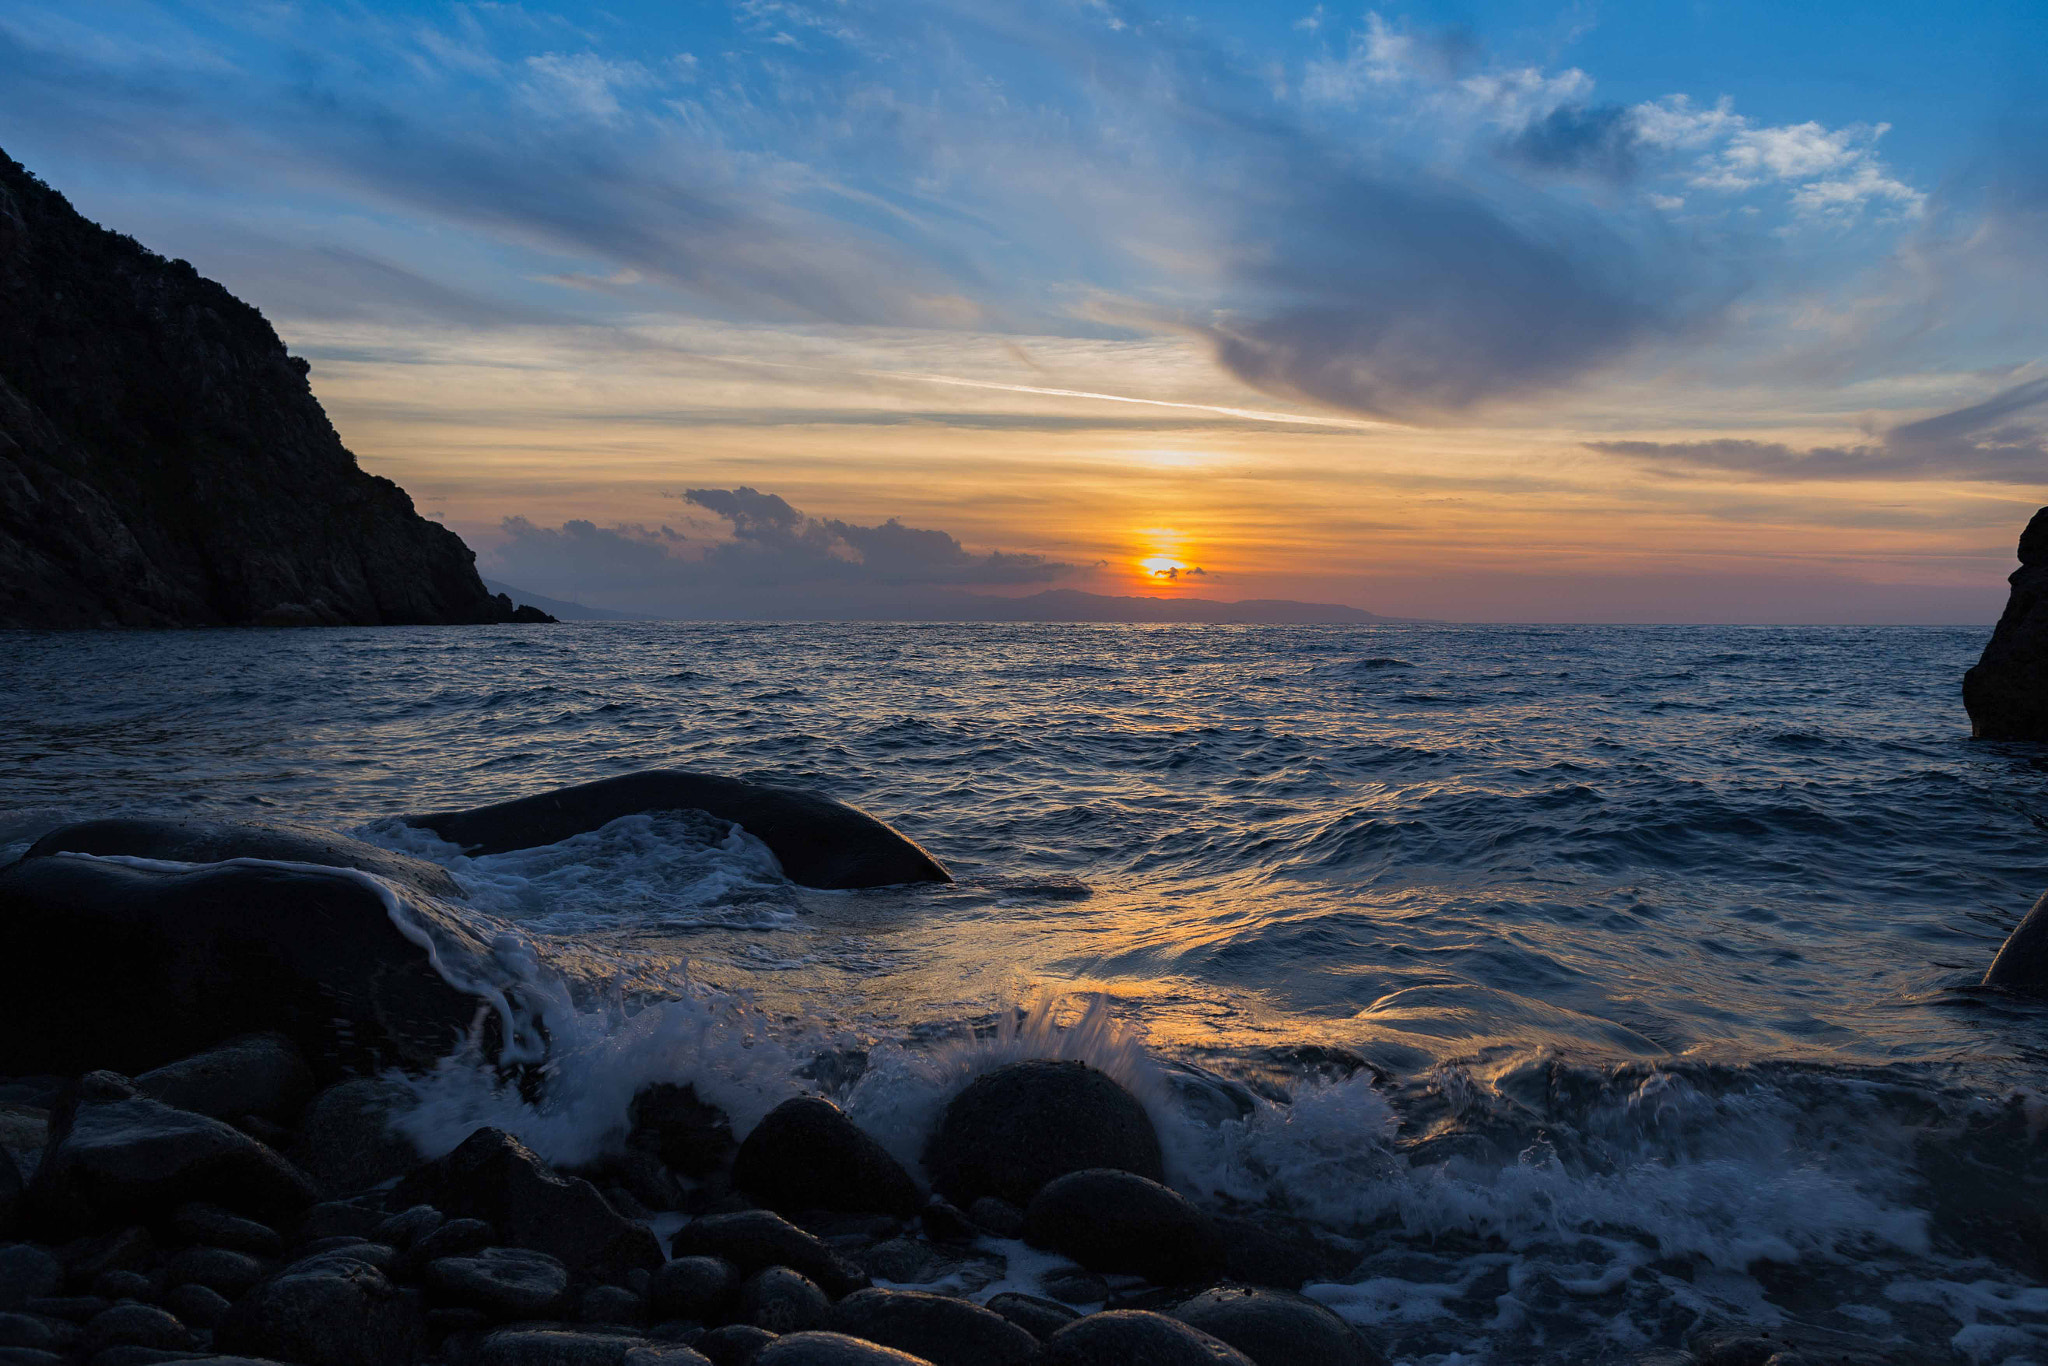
(2022, 961)
(504, 1282)
(217, 1268)
(610, 1304)
(832, 1349)
(200, 1222)
(257, 1074)
(408, 1226)
(736, 1344)
(1135, 1337)
(942, 1330)
(688, 1135)
(328, 1310)
(111, 965)
(2006, 692)
(196, 1305)
(195, 841)
(11, 1192)
(1115, 1221)
(494, 1177)
(1016, 1128)
(1040, 1318)
(27, 1272)
(346, 1140)
(1280, 1255)
(819, 842)
(697, 1288)
(781, 1301)
(753, 1240)
(557, 1347)
(36, 1334)
(1275, 1328)
(124, 1159)
(999, 1218)
(135, 1325)
(807, 1155)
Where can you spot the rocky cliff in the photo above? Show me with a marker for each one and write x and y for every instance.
(163, 461)
(2006, 693)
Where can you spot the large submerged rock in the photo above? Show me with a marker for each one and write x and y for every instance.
(131, 967)
(163, 461)
(819, 842)
(2006, 693)
(2022, 961)
(191, 841)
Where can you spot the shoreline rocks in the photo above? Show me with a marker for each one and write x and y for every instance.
(2006, 691)
(819, 842)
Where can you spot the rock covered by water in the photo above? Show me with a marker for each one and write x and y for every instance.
(2006, 693)
(163, 461)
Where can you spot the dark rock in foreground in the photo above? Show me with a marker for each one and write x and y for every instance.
(117, 966)
(494, 1177)
(942, 1330)
(806, 1154)
(163, 461)
(1134, 1337)
(832, 1349)
(755, 1239)
(2022, 961)
(190, 841)
(819, 842)
(2006, 693)
(1118, 1222)
(1017, 1128)
(1277, 1329)
(335, 1309)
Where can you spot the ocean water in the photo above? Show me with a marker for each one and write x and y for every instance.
(1592, 985)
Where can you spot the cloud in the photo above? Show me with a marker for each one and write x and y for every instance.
(773, 558)
(1972, 444)
(1598, 140)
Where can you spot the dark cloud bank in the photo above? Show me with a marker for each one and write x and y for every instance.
(777, 563)
(1997, 441)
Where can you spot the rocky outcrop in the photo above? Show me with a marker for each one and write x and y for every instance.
(819, 842)
(2006, 693)
(163, 461)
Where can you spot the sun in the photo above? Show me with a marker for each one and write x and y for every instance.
(1158, 566)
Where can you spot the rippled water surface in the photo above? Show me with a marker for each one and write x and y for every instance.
(1637, 959)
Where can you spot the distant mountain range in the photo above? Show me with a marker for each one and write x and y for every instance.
(1057, 604)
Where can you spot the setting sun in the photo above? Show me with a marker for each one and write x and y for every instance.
(1159, 566)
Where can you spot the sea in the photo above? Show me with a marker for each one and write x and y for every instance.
(1591, 986)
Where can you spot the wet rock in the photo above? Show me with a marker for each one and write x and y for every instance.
(197, 1305)
(610, 1304)
(941, 1329)
(2022, 961)
(781, 1301)
(1134, 1337)
(753, 1240)
(832, 1349)
(408, 1226)
(664, 1354)
(88, 1259)
(697, 1288)
(339, 1219)
(199, 1222)
(1040, 1318)
(137, 967)
(329, 1310)
(135, 1325)
(687, 1135)
(11, 1190)
(1275, 1328)
(124, 1285)
(999, 1218)
(28, 1356)
(256, 1074)
(943, 1223)
(818, 841)
(2006, 692)
(1014, 1129)
(806, 1154)
(1072, 1285)
(346, 1141)
(904, 1260)
(736, 1344)
(27, 1272)
(504, 1282)
(216, 1268)
(119, 1159)
(456, 1238)
(38, 1334)
(1285, 1259)
(196, 841)
(70, 1308)
(555, 1347)
(1115, 1221)
(494, 1177)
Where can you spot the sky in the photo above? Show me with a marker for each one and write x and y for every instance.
(1708, 312)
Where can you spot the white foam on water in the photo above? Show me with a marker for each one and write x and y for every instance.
(648, 871)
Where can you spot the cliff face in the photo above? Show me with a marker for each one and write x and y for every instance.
(2006, 693)
(163, 461)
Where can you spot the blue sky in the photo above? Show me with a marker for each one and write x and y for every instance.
(1690, 311)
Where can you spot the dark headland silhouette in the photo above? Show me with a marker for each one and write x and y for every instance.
(163, 461)
(2006, 693)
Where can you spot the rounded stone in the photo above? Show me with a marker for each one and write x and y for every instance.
(832, 1349)
(1040, 1318)
(807, 1155)
(939, 1328)
(1014, 1129)
(693, 1288)
(1134, 1337)
(506, 1282)
(782, 1301)
(1115, 1221)
(1275, 1328)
